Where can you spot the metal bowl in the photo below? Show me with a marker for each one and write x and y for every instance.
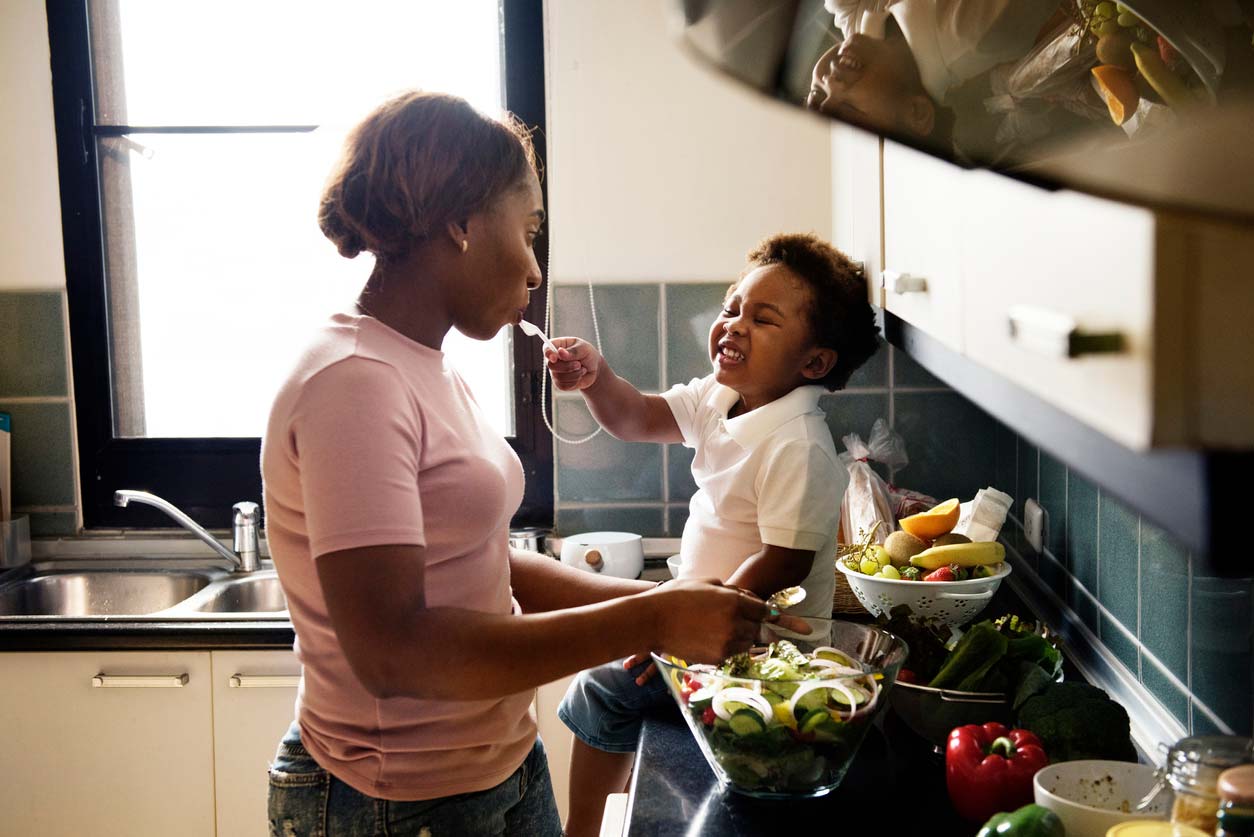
(932, 713)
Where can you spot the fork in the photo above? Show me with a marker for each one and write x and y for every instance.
(533, 330)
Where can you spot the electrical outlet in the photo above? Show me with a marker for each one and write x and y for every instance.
(1034, 524)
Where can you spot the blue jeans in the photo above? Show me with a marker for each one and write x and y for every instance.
(306, 801)
(604, 707)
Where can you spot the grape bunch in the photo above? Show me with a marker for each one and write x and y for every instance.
(1105, 17)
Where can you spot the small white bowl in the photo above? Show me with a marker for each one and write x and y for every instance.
(672, 564)
(1090, 796)
(950, 602)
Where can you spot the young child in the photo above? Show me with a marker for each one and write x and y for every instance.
(769, 483)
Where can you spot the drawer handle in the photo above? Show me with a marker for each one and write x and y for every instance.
(1058, 335)
(904, 283)
(264, 681)
(139, 681)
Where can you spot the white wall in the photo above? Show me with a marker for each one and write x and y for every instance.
(662, 169)
(30, 206)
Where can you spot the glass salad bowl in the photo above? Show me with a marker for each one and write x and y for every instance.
(785, 720)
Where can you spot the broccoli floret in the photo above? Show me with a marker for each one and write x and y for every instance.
(1078, 721)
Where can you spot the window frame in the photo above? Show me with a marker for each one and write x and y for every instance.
(206, 476)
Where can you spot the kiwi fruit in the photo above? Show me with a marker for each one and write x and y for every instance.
(951, 538)
(902, 546)
(1116, 49)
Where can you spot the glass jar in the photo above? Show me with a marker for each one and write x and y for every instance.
(1192, 768)
(1236, 802)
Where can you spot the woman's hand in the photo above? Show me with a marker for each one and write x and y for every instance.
(637, 659)
(705, 622)
(574, 365)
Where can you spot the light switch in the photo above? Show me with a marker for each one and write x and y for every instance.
(1033, 524)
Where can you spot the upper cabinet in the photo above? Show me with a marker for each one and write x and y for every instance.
(1121, 317)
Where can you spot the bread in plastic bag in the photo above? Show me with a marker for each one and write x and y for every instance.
(868, 499)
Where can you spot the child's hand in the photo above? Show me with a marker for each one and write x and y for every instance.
(574, 365)
(646, 675)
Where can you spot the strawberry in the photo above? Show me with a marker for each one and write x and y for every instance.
(1169, 54)
(940, 574)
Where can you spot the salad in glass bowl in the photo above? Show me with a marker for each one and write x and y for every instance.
(785, 719)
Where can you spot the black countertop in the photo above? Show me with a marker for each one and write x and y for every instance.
(134, 635)
(896, 785)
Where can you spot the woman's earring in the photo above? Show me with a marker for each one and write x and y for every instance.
(465, 245)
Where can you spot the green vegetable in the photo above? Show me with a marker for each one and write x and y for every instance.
(1078, 721)
(926, 640)
(746, 722)
(1028, 821)
(980, 648)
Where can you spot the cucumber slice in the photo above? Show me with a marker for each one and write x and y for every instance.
(862, 696)
(746, 722)
(812, 720)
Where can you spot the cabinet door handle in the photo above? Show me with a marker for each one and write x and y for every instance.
(139, 681)
(264, 681)
(904, 283)
(1058, 335)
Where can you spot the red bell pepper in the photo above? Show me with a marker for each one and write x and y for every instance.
(989, 769)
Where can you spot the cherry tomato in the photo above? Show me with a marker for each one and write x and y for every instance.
(708, 716)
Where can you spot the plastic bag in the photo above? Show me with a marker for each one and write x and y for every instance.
(868, 499)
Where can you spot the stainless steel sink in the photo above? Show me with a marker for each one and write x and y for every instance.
(250, 594)
(138, 589)
(99, 593)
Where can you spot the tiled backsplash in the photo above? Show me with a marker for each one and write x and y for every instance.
(1186, 637)
(34, 389)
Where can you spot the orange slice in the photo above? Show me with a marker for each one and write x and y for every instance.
(934, 522)
(1118, 88)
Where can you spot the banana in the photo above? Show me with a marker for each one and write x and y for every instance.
(962, 554)
(1165, 83)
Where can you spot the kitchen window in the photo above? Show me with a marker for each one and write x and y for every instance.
(193, 141)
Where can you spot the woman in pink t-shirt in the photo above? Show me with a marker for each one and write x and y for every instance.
(388, 500)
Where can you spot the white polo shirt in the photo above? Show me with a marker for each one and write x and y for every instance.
(768, 476)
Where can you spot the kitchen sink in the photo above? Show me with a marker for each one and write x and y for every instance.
(250, 594)
(148, 589)
(99, 593)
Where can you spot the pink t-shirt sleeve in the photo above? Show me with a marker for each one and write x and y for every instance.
(357, 438)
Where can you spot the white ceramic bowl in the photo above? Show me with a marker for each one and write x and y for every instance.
(950, 602)
(620, 554)
(1091, 796)
(672, 564)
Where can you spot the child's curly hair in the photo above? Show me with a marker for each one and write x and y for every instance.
(840, 316)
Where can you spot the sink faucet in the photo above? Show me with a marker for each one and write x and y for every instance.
(245, 516)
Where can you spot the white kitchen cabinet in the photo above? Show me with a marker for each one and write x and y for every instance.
(856, 200)
(254, 697)
(1133, 321)
(557, 739)
(922, 248)
(107, 743)
(1038, 266)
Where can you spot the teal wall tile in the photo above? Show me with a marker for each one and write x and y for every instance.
(1025, 487)
(1117, 562)
(43, 468)
(1202, 724)
(1223, 648)
(1165, 599)
(1083, 605)
(34, 363)
(53, 524)
(950, 442)
(1054, 574)
(1117, 641)
(680, 484)
(646, 521)
(1167, 693)
(908, 373)
(874, 373)
(604, 469)
(1005, 455)
(690, 311)
(676, 517)
(1053, 483)
(1082, 531)
(854, 412)
(628, 317)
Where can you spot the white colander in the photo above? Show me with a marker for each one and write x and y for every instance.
(951, 602)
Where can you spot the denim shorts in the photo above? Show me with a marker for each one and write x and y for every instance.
(306, 801)
(604, 707)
